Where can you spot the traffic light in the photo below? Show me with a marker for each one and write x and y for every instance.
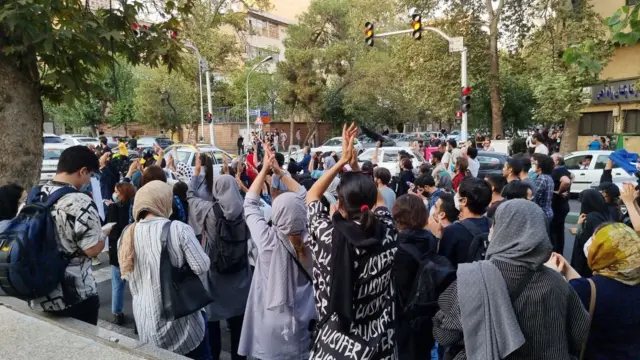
(136, 29)
(209, 117)
(174, 34)
(416, 25)
(465, 99)
(368, 33)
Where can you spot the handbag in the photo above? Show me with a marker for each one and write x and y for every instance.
(592, 308)
(183, 293)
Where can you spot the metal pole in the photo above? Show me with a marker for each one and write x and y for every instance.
(465, 115)
(210, 107)
(201, 104)
(248, 125)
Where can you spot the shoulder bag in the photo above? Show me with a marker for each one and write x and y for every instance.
(592, 308)
(183, 292)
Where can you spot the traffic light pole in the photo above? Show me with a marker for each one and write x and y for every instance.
(463, 68)
(210, 108)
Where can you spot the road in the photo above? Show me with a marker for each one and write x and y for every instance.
(102, 273)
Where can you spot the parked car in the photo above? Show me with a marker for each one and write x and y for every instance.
(84, 141)
(369, 143)
(146, 142)
(52, 139)
(52, 153)
(335, 144)
(388, 158)
(491, 163)
(584, 178)
(186, 154)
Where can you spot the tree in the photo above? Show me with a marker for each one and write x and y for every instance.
(51, 49)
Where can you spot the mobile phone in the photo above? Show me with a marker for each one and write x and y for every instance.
(108, 226)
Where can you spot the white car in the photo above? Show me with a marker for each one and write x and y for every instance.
(388, 158)
(84, 141)
(52, 152)
(583, 178)
(335, 144)
(186, 154)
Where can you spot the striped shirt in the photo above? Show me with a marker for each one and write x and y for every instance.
(182, 335)
(551, 316)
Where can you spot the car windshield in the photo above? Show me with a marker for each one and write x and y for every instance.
(183, 156)
(333, 142)
(53, 140)
(366, 156)
(52, 154)
(86, 140)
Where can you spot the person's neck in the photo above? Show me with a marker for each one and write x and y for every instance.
(466, 214)
(496, 197)
(381, 186)
(65, 179)
(512, 177)
(524, 176)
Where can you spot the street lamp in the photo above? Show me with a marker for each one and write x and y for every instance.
(268, 58)
(201, 63)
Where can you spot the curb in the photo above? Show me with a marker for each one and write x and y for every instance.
(572, 218)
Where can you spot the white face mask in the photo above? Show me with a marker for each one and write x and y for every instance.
(456, 200)
(534, 168)
(587, 245)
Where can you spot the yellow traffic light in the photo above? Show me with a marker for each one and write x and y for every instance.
(369, 34)
(416, 25)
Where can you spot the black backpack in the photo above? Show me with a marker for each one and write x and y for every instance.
(480, 242)
(435, 273)
(230, 247)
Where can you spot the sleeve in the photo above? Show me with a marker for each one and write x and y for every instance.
(577, 320)
(447, 324)
(194, 255)
(404, 271)
(87, 226)
(606, 176)
(448, 244)
(195, 182)
(254, 217)
(540, 191)
(318, 220)
(383, 214)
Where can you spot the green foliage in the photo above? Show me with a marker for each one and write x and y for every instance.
(625, 25)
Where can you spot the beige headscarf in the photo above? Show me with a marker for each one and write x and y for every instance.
(155, 197)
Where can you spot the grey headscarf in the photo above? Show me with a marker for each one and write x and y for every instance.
(289, 216)
(329, 161)
(226, 192)
(489, 323)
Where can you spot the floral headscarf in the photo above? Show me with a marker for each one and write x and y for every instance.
(615, 253)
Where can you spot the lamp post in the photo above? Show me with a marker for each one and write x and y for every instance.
(202, 63)
(268, 58)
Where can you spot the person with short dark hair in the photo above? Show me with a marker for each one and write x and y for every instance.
(425, 168)
(382, 177)
(559, 203)
(474, 165)
(512, 169)
(497, 183)
(79, 235)
(474, 196)
(104, 147)
(411, 218)
(426, 186)
(541, 148)
(406, 176)
(543, 193)
(517, 189)
(584, 165)
(10, 196)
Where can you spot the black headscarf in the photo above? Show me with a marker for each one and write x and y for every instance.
(597, 211)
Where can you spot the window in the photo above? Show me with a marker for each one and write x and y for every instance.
(573, 163)
(602, 161)
(333, 142)
(52, 140)
(69, 142)
(632, 2)
(390, 156)
(273, 31)
(368, 155)
(52, 154)
(489, 163)
(183, 157)
(600, 123)
(632, 121)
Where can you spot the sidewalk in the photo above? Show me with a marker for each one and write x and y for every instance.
(28, 335)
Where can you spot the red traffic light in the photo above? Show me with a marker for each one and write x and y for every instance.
(458, 114)
(134, 26)
(466, 91)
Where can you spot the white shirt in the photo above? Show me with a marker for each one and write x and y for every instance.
(446, 160)
(474, 167)
(530, 141)
(541, 149)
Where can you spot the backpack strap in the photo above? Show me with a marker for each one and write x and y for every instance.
(412, 250)
(34, 194)
(592, 308)
(470, 227)
(58, 194)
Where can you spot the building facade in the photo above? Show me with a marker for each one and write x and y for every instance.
(614, 105)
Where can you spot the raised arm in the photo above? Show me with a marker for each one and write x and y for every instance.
(312, 162)
(253, 215)
(374, 159)
(628, 198)
(198, 167)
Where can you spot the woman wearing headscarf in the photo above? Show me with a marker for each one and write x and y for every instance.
(614, 257)
(230, 290)
(139, 259)
(510, 306)
(281, 305)
(593, 212)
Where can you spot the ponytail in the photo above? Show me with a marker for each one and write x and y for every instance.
(208, 170)
(368, 220)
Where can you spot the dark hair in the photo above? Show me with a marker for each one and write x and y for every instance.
(151, 173)
(207, 163)
(437, 155)
(425, 180)
(477, 192)
(462, 164)
(383, 174)
(75, 158)
(590, 157)
(515, 165)
(409, 212)
(538, 136)
(280, 159)
(472, 152)
(545, 163)
(406, 164)
(10, 201)
(453, 143)
(367, 167)
(180, 190)
(526, 163)
(516, 190)
(425, 168)
(498, 182)
(355, 191)
(103, 140)
(448, 207)
(127, 191)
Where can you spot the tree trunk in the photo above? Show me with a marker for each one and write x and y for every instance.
(569, 140)
(497, 127)
(21, 121)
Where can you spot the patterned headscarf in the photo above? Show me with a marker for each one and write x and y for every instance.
(615, 253)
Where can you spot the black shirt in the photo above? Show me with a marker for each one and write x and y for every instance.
(240, 141)
(456, 240)
(556, 175)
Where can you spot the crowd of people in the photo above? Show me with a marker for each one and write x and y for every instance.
(351, 262)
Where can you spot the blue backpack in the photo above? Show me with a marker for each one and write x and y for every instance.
(31, 263)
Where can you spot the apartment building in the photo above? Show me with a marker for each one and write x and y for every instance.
(614, 106)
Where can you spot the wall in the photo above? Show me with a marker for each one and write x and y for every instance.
(624, 63)
(631, 143)
(290, 9)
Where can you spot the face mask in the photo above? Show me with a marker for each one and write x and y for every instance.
(115, 198)
(457, 201)
(534, 168)
(587, 245)
(85, 188)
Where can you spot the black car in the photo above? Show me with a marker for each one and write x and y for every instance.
(491, 163)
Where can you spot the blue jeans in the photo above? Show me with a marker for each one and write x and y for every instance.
(117, 291)
(203, 351)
